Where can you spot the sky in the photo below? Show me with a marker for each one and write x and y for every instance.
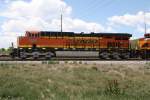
(123, 16)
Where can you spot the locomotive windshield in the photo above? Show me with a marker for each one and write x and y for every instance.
(32, 34)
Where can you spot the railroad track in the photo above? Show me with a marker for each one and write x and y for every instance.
(7, 58)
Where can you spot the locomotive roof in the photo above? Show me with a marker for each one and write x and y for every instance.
(55, 33)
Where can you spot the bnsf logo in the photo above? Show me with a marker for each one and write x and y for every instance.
(86, 41)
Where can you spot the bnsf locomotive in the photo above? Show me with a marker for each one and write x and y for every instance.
(143, 46)
(109, 45)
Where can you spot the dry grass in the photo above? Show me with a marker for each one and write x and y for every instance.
(75, 81)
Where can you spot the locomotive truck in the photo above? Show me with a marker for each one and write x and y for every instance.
(44, 44)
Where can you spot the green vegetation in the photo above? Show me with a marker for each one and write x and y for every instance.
(53, 81)
(5, 51)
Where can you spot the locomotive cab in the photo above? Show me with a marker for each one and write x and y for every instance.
(33, 36)
(147, 35)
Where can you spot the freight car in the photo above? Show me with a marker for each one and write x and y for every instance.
(46, 43)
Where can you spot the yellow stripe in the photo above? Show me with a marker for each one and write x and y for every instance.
(60, 46)
(22, 46)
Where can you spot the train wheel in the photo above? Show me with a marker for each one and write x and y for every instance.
(125, 56)
(115, 55)
(144, 55)
(35, 55)
(48, 55)
(104, 55)
(23, 55)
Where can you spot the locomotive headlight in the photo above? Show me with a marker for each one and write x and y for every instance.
(43, 48)
(29, 48)
(21, 48)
